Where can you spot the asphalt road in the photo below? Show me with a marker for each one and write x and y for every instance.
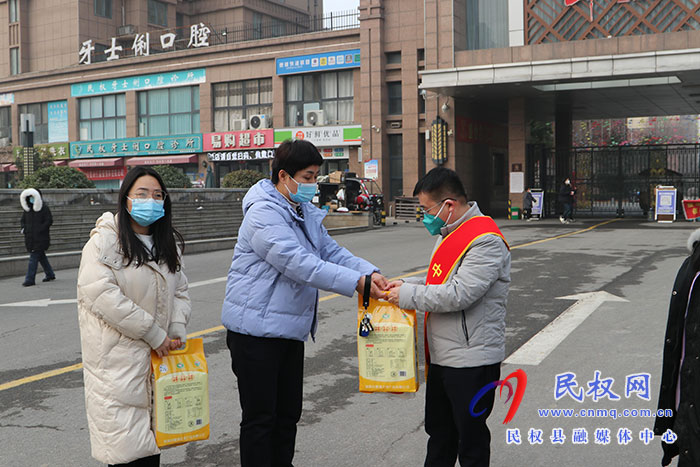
(42, 417)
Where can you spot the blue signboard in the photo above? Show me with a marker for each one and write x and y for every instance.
(665, 203)
(181, 144)
(139, 83)
(537, 203)
(58, 121)
(318, 62)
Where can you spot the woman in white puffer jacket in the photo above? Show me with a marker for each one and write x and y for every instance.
(132, 297)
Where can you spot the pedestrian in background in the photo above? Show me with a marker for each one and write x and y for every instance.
(464, 299)
(528, 200)
(283, 257)
(566, 199)
(132, 298)
(36, 222)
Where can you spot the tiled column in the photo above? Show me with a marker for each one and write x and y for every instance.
(517, 134)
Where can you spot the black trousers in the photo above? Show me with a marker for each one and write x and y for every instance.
(270, 373)
(450, 426)
(150, 461)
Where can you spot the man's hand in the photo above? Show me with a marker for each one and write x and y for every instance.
(374, 291)
(393, 296)
(380, 281)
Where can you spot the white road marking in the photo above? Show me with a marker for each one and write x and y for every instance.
(541, 344)
(44, 302)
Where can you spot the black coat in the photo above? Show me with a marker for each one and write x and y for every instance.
(36, 229)
(685, 421)
(565, 195)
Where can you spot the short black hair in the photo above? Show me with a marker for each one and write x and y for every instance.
(441, 183)
(293, 156)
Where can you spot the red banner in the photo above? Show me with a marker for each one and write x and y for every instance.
(691, 208)
(110, 173)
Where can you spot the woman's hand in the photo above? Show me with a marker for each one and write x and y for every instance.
(162, 351)
(393, 294)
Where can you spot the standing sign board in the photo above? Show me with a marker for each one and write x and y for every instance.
(538, 203)
(665, 204)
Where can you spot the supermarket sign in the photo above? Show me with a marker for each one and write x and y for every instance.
(326, 136)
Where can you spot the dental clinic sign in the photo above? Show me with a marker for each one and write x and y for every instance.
(141, 45)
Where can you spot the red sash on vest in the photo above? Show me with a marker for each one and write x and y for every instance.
(450, 252)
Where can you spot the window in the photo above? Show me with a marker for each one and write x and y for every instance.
(14, 11)
(14, 61)
(157, 13)
(393, 58)
(240, 100)
(5, 127)
(421, 103)
(103, 8)
(487, 24)
(394, 92)
(421, 55)
(331, 92)
(395, 166)
(164, 112)
(102, 117)
(41, 120)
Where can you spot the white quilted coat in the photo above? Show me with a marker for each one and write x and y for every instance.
(123, 313)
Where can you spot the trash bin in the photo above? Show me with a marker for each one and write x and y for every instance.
(515, 213)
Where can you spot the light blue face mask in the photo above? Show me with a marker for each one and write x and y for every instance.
(146, 211)
(433, 223)
(305, 192)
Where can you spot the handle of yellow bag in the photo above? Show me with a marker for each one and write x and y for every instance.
(368, 287)
(185, 347)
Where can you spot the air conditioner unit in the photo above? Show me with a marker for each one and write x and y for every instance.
(239, 124)
(258, 122)
(126, 30)
(314, 118)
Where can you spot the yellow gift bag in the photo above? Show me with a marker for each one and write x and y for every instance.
(181, 395)
(386, 347)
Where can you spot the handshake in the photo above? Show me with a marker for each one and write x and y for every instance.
(381, 288)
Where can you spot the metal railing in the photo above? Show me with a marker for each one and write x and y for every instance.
(239, 32)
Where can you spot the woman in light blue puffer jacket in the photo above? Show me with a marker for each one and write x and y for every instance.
(283, 256)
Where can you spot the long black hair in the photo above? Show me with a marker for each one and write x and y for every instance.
(162, 230)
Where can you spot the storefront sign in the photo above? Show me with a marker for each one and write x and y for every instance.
(58, 121)
(141, 45)
(322, 136)
(537, 203)
(7, 98)
(231, 140)
(318, 62)
(139, 83)
(335, 153)
(52, 150)
(137, 146)
(112, 173)
(258, 154)
(372, 169)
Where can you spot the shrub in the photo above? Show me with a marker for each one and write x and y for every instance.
(173, 177)
(242, 178)
(57, 177)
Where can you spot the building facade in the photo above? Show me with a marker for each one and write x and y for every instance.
(391, 89)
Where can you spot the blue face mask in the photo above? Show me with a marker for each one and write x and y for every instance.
(146, 211)
(305, 192)
(433, 223)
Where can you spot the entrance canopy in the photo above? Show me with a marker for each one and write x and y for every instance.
(665, 82)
